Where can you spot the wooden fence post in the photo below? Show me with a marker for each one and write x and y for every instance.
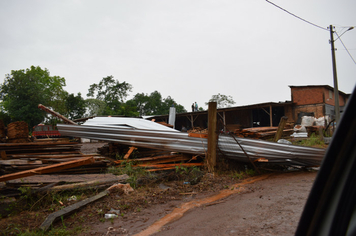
(212, 136)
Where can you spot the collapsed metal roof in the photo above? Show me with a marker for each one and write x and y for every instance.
(142, 133)
(127, 122)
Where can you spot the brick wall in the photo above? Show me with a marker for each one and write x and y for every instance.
(307, 95)
(317, 109)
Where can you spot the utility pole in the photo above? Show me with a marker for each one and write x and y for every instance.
(336, 89)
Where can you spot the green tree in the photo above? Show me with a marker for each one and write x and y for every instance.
(94, 107)
(221, 100)
(76, 106)
(168, 102)
(153, 104)
(112, 92)
(23, 90)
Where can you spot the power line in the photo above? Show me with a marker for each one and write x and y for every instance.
(345, 47)
(296, 16)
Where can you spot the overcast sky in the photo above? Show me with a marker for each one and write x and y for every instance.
(189, 50)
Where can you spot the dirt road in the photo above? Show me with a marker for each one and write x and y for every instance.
(268, 207)
(271, 206)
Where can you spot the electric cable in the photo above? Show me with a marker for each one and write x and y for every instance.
(296, 16)
(345, 48)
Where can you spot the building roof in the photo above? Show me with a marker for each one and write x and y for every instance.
(324, 86)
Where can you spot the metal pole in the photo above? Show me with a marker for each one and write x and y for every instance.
(336, 89)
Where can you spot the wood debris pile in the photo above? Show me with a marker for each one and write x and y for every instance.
(151, 159)
(198, 130)
(16, 157)
(261, 132)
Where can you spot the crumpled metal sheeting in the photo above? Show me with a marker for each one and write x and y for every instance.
(165, 140)
(274, 152)
(127, 123)
(180, 142)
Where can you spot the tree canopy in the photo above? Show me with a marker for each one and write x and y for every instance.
(222, 101)
(112, 92)
(153, 104)
(76, 106)
(23, 90)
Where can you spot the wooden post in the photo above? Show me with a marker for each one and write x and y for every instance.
(211, 136)
(280, 129)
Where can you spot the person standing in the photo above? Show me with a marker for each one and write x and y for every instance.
(196, 106)
(193, 107)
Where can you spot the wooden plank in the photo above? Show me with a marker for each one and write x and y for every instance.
(280, 129)
(2, 145)
(48, 156)
(175, 159)
(3, 155)
(198, 135)
(170, 165)
(51, 178)
(48, 169)
(69, 210)
(19, 162)
(147, 158)
(87, 184)
(129, 152)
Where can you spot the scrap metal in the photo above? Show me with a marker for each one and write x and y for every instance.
(175, 141)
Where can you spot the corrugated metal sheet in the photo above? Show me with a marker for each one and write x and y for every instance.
(172, 140)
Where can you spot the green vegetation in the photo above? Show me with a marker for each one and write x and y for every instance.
(135, 173)
(23, 90)
(313, 141)
(243, 174)
(13, 229)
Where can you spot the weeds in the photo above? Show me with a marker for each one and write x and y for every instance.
(15, 230)
(135, 173)
(313, 141)
(243, 174)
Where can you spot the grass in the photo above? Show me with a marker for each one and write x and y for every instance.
(61, 231)
(243, 174)
(313, 141)
(135, 173)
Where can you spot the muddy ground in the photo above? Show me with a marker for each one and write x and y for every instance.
(270, 205)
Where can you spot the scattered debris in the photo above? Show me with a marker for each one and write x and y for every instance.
(69, 210)
(120, 188)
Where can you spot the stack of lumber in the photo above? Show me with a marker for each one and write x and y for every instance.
(198, 130)
(150, 159)
(17, 132)
(16, 157)
(2, 132)
(260, 132)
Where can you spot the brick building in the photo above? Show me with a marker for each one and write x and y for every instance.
(309, 100)
(315, 100)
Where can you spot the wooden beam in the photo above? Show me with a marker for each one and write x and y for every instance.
(280, 129)
(69, 210)
(3, 155)
(89, 184)
(48, 169)
(170, 165)
(161, 161)
(129, 152)
(198, 135)
(147, 158)
(212, 136)
(19, 162)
